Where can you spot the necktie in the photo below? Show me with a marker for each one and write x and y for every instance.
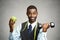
(30, 29)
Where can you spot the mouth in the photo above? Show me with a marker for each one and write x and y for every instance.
(32, 18)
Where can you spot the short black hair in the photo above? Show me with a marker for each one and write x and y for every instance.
(31, 7)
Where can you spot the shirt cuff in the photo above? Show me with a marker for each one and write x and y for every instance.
(43, 33)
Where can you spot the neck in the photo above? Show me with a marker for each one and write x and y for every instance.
(32, 21)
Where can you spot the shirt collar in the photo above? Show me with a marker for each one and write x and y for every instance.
(33, 24)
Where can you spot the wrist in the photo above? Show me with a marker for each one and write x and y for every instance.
(11, 30)
(44, 30)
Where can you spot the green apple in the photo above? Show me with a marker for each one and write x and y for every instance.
(13, 18)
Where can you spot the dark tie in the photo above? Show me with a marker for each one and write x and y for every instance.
(30, 29)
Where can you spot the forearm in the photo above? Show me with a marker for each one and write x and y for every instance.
(42, 35)
(15, 35)
(10, 36)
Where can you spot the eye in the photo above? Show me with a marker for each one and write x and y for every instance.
(35, 13)
(29, 13)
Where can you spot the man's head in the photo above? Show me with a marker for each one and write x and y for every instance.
(32, 13)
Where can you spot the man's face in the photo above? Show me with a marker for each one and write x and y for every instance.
(32, 15)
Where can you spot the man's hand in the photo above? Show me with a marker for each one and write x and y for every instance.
(11, 23)
(45, 27)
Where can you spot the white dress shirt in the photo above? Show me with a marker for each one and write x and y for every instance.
(15, 35)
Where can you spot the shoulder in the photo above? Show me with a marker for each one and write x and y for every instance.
(24, 22)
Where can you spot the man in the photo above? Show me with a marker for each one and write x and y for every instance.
(29, 30)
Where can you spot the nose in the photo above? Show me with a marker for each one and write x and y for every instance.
(31, 14)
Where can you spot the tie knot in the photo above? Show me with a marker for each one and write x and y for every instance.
(30, 26)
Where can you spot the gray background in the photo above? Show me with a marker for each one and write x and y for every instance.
(49, 10)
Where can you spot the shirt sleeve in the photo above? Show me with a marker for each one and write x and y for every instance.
(42, 35)
(15, 35)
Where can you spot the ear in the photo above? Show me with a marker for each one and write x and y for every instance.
(37, 13)
(26, 13)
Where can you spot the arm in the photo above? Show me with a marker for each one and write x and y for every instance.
(15, 35)
(14, 31)
(43, 31)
